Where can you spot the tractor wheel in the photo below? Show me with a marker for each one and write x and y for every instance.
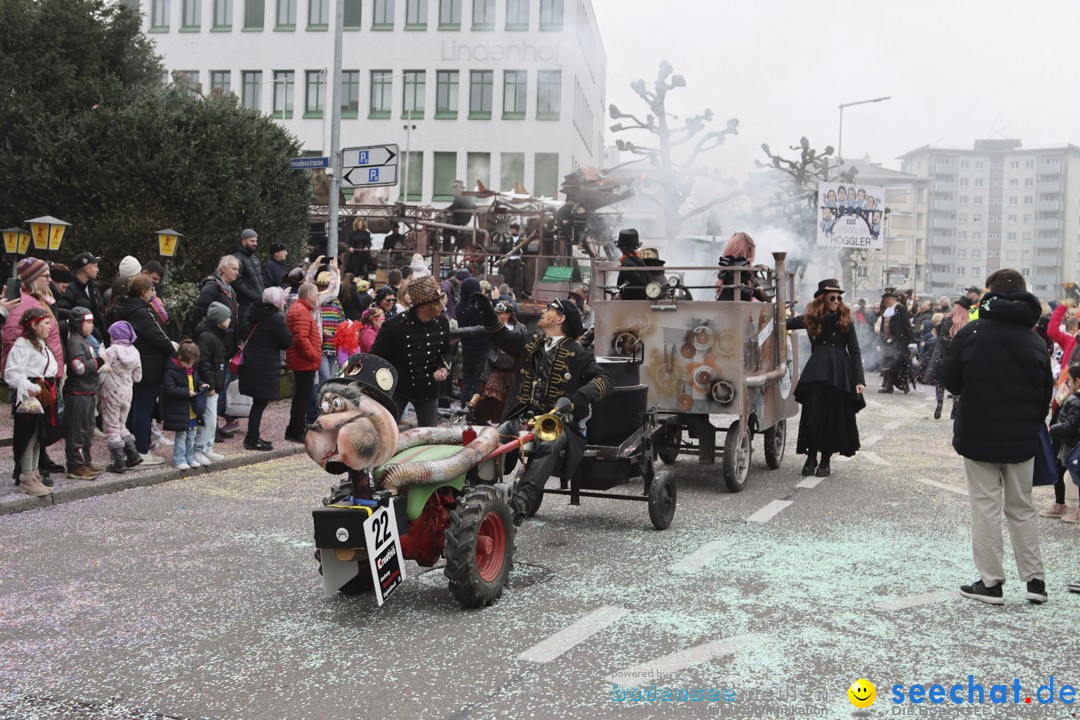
(479, 548)
(775, 440)
(662, 501)
(668, 438)
(736, 457)
(360, 584)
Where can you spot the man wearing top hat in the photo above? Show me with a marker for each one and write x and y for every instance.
(83, 291)
(554, 372)
(631, 284)
(895, 337)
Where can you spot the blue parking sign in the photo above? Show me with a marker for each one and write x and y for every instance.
(373, 175)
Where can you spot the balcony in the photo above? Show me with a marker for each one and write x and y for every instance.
(1048, 206)
(1054, 187)
(944, 187)
(1048, 224)
(1048, 243)
(943, 223)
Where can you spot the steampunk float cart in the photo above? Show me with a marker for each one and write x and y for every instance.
(711, 367)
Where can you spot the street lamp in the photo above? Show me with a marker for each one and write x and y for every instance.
(16, 243)
(840, 140)
(408, 128)
(167, 239)
(48, 232)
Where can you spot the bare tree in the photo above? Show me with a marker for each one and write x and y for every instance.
(671, 183)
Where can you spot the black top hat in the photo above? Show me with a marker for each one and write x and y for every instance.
(628, 239)
(375, 377)
(965, 302)
(890, 292)
(828, 285)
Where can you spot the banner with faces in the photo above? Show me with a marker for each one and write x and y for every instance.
(851, 215)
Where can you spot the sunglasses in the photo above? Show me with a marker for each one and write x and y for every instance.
(833, 298)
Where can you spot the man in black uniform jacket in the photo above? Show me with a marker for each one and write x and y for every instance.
(896, 335)
(631, 284)
(554, 372)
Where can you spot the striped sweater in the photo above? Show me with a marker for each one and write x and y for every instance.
(332, 315)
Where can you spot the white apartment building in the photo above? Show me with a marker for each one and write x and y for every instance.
(499, 91)
(1001, 205)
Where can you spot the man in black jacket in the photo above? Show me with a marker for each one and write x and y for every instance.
(83, 291)
(896, 335)
(554, 373)
(1001, 370)
(631, 283)
(274, 269)
(249, 282)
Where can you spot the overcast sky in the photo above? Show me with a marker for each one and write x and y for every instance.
(956, 70)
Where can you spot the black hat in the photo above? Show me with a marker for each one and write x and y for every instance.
(890, 292)
(82, 260)
(61, 274)
(829, 285)
(375, 377)
(277, 247)
(965, 302)
(628, 240)
(973, 289)
(572, 325)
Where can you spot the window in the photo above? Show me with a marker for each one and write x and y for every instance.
(351, 18)
(976, 254)
(480, 85)
(978, 182)
(254, 14)
(978, 164)
(963, 164)
(1029, 164)
(1012, 199)
(445, 170)
(252, 89)
(286, 15)
(548, 95)
(546, 175)
(1014, 164)
(551, 14)
(159, 14)
(517, 14)
(978, 200)
(414, 180)
(515, 87)
(383, 17)
(963, 182)
(446, 94)
(478, 167)
(1013, 182)
(977, 219)
(219, 82)
(413, 102)
(187, 79)
(961, 252)
(963, 199)
(1029, 182)
(189, 15)
(1011, 237)
(222, 15)
(483, 15)
(511, 170)
(416, 14)
(315, 93)
(449, 14)
(284, 84)
(381, 91)
(318, 14)
(350, 93)
(1027, 199)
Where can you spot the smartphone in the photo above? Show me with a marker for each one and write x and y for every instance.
(14, 289)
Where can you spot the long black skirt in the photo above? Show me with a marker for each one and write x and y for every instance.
(827, 423)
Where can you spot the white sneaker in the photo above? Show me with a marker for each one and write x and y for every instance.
(212, 456)
(182, 466)
(151, 459)
(165, 442)
(195, 464)
(203, 459)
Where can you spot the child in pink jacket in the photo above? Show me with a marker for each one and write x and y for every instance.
(116, 395)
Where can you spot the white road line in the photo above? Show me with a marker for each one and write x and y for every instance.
(766, 513)
(810, 482)
(873, 403)
(889, 427)
(702, 555)
(943, 486)
(574, 634)
(875, 458)
(916, 600)
(872, 440)
(662, 666)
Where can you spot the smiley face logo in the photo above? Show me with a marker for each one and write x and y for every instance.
(862, 693)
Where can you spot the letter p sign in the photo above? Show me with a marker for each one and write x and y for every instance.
(373, 175)
(363, 157)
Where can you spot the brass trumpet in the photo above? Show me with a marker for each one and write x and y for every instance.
(547, 427)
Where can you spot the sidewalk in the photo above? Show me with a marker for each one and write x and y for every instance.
(274, 421)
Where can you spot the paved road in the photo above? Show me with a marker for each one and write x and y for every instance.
(199, 598)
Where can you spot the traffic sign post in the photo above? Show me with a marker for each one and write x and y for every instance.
(370, 166)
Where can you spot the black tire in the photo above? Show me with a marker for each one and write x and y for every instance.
(662, 501)
(481, 516)
(736, 457)
(667, 441)
(775, 441)
(360, 584)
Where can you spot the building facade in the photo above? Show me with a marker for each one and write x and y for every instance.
(1001, 205)
(495, 91)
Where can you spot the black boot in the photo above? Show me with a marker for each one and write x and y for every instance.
(811, 464)
(131, 455)
(823, 469)
(937, 410)
(119, 464)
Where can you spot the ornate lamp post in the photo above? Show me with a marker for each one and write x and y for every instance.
(47, 232)
(16, 243)
(167, 239)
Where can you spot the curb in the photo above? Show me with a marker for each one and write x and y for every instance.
(116, 482)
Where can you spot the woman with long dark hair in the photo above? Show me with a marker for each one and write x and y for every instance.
(945, 330)
(831, 385)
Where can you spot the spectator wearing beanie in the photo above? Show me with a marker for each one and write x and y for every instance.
(80, 395)
(274, 269)
(116, 391)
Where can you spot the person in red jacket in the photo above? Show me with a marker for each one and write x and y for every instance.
(303, 356)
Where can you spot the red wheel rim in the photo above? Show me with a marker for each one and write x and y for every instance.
(490, 547)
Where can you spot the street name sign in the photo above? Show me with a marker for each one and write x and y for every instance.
(370, 166)
(308, 163)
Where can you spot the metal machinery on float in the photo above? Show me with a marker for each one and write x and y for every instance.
(715, 366)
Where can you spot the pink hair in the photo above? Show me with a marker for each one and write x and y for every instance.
(741, 246)
(960, 316)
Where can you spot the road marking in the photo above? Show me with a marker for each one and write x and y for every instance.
(873, 403)
(943, 486)
(875, 458)
(810, 482)
(889, 427)
(702, 555)
(871, 441)
(766, 513)
(574, 634)
(916, 600)
(663, 666)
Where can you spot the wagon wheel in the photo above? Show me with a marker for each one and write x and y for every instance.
(775, 440)
(668, 440)
(479, 547)
(360, 584)
(474, 256)
(736, 457)
(662, 501)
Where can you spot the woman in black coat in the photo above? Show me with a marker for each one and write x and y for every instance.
(831, 385)
(154, 348)
(260, 375)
